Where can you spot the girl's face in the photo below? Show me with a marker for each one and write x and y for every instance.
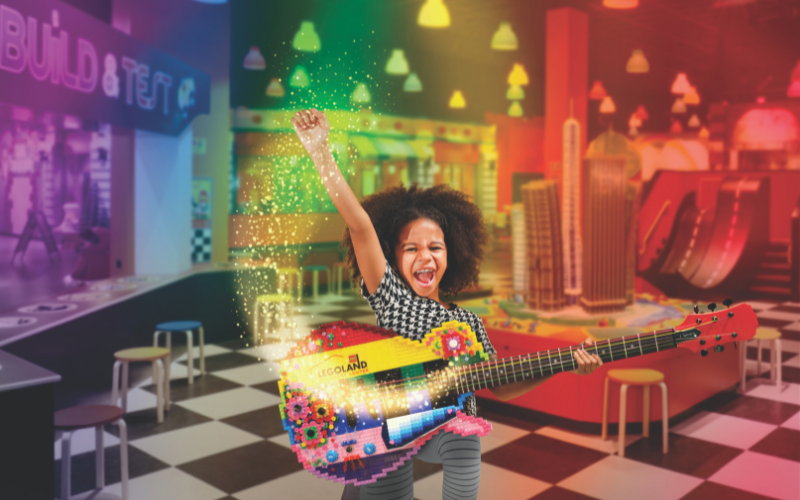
(422, 257)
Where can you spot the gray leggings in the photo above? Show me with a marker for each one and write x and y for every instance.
(460, 456)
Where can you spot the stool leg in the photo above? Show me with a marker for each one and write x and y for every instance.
(155, 338)
(778, 365)
(758, 363)
(66, 464)
(123, 456)
(339, 281)
(166, 368)
(99, 458)
(604, 434)
(299, 276)
(623, 394)
(158, 367)
(315, 284)
(115, 384)
(202, 354)
(743, 367)
(664, 416)
(124, 387)
(280, 283)
(328, 277)
(646, 412)
(190, 356)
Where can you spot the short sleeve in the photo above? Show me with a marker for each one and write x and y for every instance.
(386, 292)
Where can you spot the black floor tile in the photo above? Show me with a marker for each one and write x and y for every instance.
(752, 353)
(144, 423)
(244, 467)
(788, 374)
(783, 443)
(788, 309)
(686, 455)
(707, 491)
(223, 362)
(790, 335)
(270, 387)
(773, 323)
(234, 344)
(181, 390)
(760, 409)
(423, 469)
(264, 422)
(83, 468)
(556, 493)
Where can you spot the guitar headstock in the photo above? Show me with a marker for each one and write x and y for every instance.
(709, 331)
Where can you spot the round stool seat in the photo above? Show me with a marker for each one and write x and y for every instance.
(636, 376)
(763, 333)
(274, 297)
(81, 417)
(178, 326)
(142, 354)
(315, 268)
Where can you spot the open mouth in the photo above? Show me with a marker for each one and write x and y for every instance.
(424, 277)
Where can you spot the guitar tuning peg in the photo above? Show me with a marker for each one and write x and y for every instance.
(712, 306)
(727, 302)
(696, 309)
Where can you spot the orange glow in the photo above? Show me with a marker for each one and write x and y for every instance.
(679, 106)
(620, 4)
(692, 97)
(597, 93)
(676, 127)
(607, 107)
(641, 112)
(681, 84)
(704, 133)
(518, 75)
(766, 129)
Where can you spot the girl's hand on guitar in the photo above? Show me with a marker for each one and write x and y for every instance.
(312, 128)
(587, 363)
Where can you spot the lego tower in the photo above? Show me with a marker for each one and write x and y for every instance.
(543, 235)
(570, 210)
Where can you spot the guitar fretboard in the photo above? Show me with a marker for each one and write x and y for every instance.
(489, 374)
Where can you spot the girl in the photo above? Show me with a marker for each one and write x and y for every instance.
(407, 245)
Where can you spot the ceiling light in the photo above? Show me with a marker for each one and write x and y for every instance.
(638, 63)
(607, 107)
(457, 100)
(412, 83)
(434, 14)
(681, 84)
(515, 109)
(518, 75)
(504, 38)
(397, 64)
(306, 38)
(597, 93)
(254, 60)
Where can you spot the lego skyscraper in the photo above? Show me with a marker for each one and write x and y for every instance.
(543, 235)
(570, 203)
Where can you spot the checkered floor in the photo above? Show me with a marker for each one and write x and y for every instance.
(223, 439)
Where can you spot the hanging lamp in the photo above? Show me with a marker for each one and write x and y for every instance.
(518, 75)
(620, 4)
(637, 63)
(692, 97)
(794, 87)
(306, 38)
(676, 127)
(704, 133)
(397, 64)
(694, 122)
(275, 89)
(299, 78)
(504, 38)
(457, 100)
(515, 109)
(434, 14)
(515, 93)
(679, 107)
(597, 93)
(254, 60)
(641, 112)
(607, 107)
(681, 84)
(412, 83)
(634, 121)
(361, 94)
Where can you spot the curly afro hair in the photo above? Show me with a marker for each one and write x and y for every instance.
(461, 221)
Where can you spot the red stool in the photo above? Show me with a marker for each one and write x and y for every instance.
(82, 417)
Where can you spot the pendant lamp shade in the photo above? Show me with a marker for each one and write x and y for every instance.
(397, 64)
(620, 4)
(676, 127)
(299, 78)
(794, 87)
(275, 89)
(692, 97)
(457, 100)
(597, 93)
(434, 14)
(361, 94)
(504, 38)
(694, 122)
(254, 60)
(306, 38)
(679, 106)
(641, 112)
(412, 83)
(704, 133)
(518, 75)
(634, 121)
(638, 63)
(607, 107)
(515, 109)
(515, 93)
(681, 84)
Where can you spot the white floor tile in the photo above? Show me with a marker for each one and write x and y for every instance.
(318, 309)
(274, 351)
(251, 374)
(139, 399)
(760, 306)
(501, 435)
(617, 478)
(793, 362)
(228, 403)
(779, 315)
(592, 441)
(83, 441)
(795, 327)
(496, 483)
(724, 429)
(194, 442)
(168, 484)
(789, 393)
(301, 485)
(282, 439)
(790, 346)
(208, 351)
(793, 422)
(367, 319)
(751, 367)
(304, 321)
(761, 474)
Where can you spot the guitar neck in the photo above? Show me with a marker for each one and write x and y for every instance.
(470, 378)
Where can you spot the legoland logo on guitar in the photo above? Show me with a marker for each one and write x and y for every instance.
(353, 367)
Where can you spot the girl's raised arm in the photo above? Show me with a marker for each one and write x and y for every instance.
(313, 128)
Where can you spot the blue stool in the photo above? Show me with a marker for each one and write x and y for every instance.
(315, 276)
(187, 327)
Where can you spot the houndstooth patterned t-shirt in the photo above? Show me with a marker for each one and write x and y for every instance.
(398, 308)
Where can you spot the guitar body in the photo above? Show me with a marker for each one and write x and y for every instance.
(358, 401)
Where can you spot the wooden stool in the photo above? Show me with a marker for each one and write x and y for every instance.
(316, 270)
(338, 276)
(644, 377)
(775, 365)
(160, 375)
(82, 417)
(186, 327)
(287, 273)
(271, 314)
